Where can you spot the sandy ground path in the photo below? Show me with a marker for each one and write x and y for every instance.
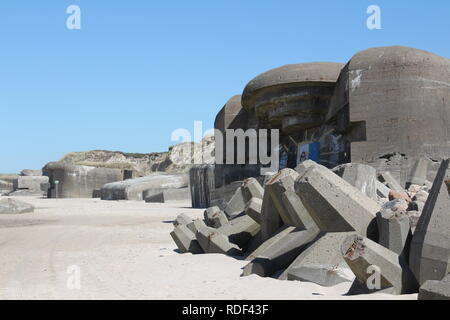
(123, 250)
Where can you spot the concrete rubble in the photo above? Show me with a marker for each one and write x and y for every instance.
(362, 177)
(334, 204)
(214, 217)
(435, 290)
(185, 240)
(313, 224)
(322, 262)
(430, 246)
(389, 268)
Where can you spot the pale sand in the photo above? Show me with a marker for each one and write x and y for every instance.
(124, 251)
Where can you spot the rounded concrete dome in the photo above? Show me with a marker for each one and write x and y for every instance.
(400, 97)
(294, 96)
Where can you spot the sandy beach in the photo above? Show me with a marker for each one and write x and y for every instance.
(123, 250)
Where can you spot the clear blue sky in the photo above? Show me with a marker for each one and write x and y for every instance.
(137, 70)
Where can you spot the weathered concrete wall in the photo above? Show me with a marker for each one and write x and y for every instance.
(293, 97)
(78, 181)
(398, 100)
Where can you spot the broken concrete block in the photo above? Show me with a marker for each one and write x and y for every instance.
(182, 219)
(253, 209)
(361, 176)
(304, 166)
(240, 230)
(419, 173)
(430, 246)
(322, 263)
(215, 218)
(394, 228)
(382, 190)
(185, 240)
(251, 189)
(213, 241)
(276, 186)
(378, 266)
(11, 206)
(270, 219)
(297, 212)
(236, 205)
(195, 225)
(387, 178)
(279, 234)
(435, 290)
(335, 205)
(280, 253)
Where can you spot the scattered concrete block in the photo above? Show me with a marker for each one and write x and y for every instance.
(212, 241)
(11, 206)
(251, 188)
(362, 254)
(240, 230)
(419, 173)
(435, 290)
(180, 194)
(305, 165)
(430, 246)
(297, 212)
(215, 218)
(382, 190)
(133, 189)
(196, 225)
(253, 209)
(279, 234)
(236, 205)
(270, 219)
(182, 219)
(387, 178)
(394, 228)
(185, 240)
(335, 205)
(322, 263)
(280, 253)
(361, 176)
(281, 182)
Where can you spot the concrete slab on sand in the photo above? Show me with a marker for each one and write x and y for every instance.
(124, 251)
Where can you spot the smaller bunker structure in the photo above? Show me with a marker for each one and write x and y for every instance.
(73, 181)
